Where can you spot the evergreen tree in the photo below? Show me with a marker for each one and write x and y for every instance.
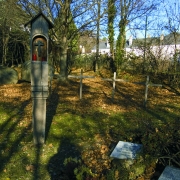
(111, 17)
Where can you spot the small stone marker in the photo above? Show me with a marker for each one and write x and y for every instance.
(114, 83)
(147, 84)
(170, 173)
(81, 77)
(126, 150)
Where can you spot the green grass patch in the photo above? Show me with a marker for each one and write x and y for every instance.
(78, 144)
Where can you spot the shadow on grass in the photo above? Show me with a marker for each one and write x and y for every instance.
(52, 103)
(171, 88)
(92, 122)
(127, 98)
(36, 164)
(75, 122)
(11, 136)
(19, 157)
(63, 164)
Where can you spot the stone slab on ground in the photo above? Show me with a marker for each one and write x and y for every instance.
(126, 150)
(170, 173)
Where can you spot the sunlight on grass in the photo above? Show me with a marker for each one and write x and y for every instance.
(79, 130)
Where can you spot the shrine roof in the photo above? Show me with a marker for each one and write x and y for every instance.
(51, 25)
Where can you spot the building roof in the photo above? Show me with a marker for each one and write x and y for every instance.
(102, 45)
(154, 41)
(170, 39)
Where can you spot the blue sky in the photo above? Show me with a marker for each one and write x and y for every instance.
(157, 21)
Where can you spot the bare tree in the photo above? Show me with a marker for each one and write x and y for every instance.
(173, 26)
(129, 11)
(64, 14)
(9, 21)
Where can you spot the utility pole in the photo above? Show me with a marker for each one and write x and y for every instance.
(145, 42)
(97, 37)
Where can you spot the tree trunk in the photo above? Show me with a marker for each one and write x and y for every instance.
(122, 33)
(121, 42)
(5, 39)
(175, 52)
(64, 19)
(111, 16)
(63, 60)
(97, 37)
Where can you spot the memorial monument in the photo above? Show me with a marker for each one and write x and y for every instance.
(40, 25)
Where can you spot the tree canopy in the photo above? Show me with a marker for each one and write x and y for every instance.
(73, 18)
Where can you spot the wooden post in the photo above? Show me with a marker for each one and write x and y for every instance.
(114, 83)
(146, 91)
(80, 89)
(81, 77)
(147, 84)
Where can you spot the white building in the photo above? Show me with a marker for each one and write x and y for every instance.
(104, 48)
(166, 50)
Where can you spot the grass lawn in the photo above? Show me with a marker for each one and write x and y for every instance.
(81, 134)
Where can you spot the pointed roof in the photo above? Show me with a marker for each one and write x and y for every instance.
(51, 25)
(103, 45)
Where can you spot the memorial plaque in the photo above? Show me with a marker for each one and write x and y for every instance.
(170, 173)
(126, 150)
